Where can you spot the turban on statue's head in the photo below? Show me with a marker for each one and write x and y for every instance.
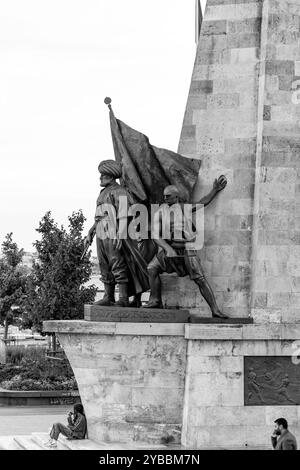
(110, 168)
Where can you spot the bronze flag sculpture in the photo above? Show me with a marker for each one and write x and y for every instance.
(146, 174)
(146, 169)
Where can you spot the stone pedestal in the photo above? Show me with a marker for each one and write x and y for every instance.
(217, 410)
(130, 377)
(183, 383)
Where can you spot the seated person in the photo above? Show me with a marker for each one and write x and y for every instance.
(76, 428)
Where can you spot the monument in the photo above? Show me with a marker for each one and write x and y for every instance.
(218, 385)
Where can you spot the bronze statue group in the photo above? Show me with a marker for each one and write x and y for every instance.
(135, 265)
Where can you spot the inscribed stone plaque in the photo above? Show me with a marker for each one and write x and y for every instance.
(135, 315)
(271, 380)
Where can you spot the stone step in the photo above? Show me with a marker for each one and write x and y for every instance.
(36, 441)
(27, 443)
(87, 444)
(41, 438)
(75, 444)
(147, 446)
(83, 444)
(8, 443)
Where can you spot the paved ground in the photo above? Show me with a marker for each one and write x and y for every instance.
(22, 420)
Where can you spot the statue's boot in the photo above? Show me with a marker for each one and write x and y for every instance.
(123, 296)
(109, 296)
(137, 301)
(155, 300)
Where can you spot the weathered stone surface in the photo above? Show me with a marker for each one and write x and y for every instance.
(79, 326)
(132, 386)
(255, 332)
(291, 413)
(223, 101)
(216, 368)
(140, 384)
(162, 329)
(232, 11)
(107, 328)
(249, 25)
(227, 332)
(204, 86)
(259, 130)
(189, 132)
(264, 433)
(214, 27)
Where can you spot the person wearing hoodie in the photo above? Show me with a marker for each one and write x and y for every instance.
(76, 428)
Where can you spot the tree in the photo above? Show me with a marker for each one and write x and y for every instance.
(12, 282)
(55, 290)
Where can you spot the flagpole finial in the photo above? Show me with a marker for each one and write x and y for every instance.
(107, 101)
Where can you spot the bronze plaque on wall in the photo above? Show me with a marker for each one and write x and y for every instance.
(271, 380)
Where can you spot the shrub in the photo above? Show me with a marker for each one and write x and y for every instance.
(56, 288)
(14, 354)
(29, 369)
(17, 354)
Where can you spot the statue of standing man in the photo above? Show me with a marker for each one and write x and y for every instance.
(178, 255)
(119, 259)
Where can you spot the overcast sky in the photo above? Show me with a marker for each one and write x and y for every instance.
(59, 59)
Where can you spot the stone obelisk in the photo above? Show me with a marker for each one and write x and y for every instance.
(242, 119)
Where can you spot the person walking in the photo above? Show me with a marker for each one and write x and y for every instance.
(282, 438)
(76, 428)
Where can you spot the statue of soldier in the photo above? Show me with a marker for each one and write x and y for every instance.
(177, 256)
(113, 261)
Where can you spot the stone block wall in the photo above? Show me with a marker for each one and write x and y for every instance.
(131, 385)
(276, 246)
(182, 383)
(220, 128)
(242, 120)
(215, 415)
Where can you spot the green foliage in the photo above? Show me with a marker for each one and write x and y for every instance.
(55, 289)
(12, 279)
(29, 369)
